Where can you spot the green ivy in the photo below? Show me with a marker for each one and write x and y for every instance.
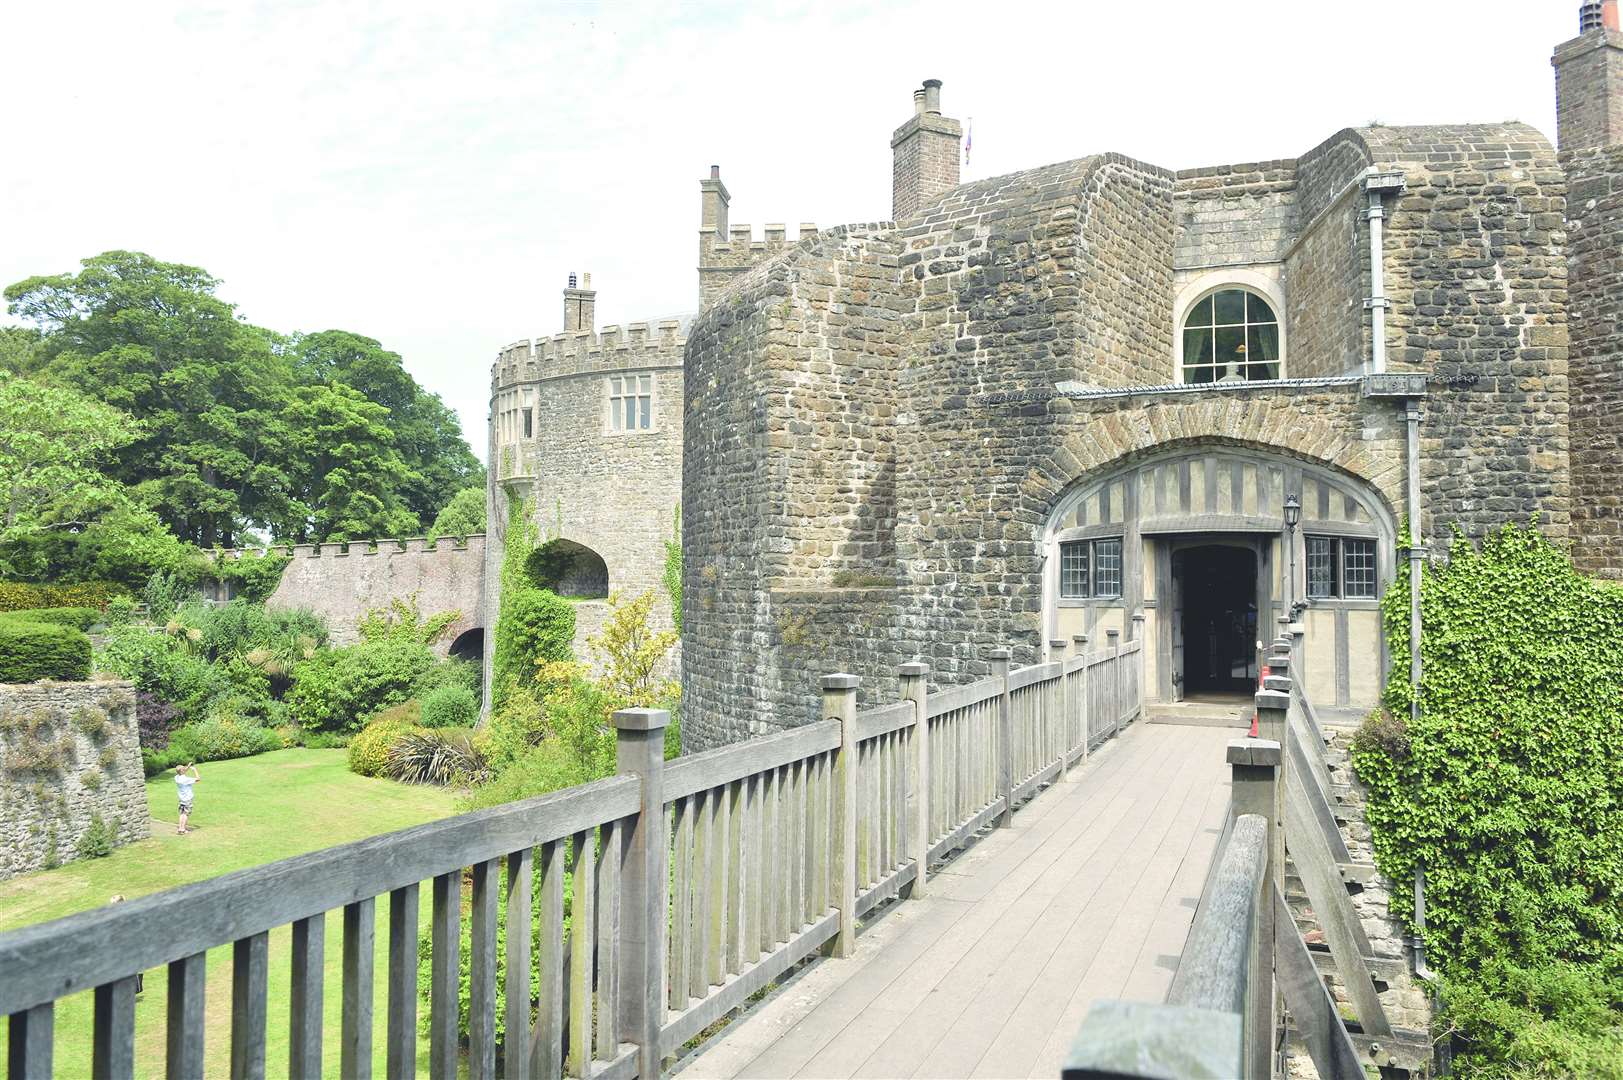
(1509, 789)
(673, 569)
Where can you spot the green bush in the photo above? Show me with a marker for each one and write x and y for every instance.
(165, 666)
(535, 626)
(80, 618)
(369, 750)
(219, 740)
(254, 576)
(30, 652)
(451, 672)
(98, 839)
(1554, 1020)
(450, 706)
(338, 688)
(23, 595)
(1508, 788)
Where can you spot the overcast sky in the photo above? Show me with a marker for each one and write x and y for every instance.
(429, 173)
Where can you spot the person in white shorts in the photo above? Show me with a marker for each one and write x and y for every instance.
(185, 784)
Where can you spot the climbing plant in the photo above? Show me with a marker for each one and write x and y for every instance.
(673, 569)
(1509, 786)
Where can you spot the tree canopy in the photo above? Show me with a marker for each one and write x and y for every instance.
(156, 404)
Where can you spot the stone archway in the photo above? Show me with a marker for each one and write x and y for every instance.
(469, 645)
(1109, 540)
(569, 569)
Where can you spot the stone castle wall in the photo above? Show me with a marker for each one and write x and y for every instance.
(342, 582)
(69, 754)
(728, 251)
(1326, 263)
(1595, 249)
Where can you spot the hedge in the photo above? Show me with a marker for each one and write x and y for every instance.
(26, 595)
(31, 651)
(80, 618)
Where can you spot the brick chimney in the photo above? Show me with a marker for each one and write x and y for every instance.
(924, 154)
(1589, 80)
(580, 305)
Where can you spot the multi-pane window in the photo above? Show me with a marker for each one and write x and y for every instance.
(631, 402)
(1090, 568)
(1341, 567)
(1232, 332)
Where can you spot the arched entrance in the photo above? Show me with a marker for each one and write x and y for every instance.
(569, 569)
(1193, 538)
(469, 645)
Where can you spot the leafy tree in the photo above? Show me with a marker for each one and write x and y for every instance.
(348, 470)
(464, 514)
(51, 444)
(427, 436)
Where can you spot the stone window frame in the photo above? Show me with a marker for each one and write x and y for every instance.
(1215, 281)
(610, 400)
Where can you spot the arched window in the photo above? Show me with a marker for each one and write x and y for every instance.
(1230, 335)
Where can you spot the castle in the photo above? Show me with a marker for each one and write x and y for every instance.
(1098, 398)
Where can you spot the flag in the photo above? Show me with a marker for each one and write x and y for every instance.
(969, 138)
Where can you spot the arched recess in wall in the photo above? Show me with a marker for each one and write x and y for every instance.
(469, 645)
(1208, 284)
(569, 569)
(1118, 543)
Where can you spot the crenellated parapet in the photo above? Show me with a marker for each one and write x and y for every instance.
(727, 250)
(343, 549)
(613, 348)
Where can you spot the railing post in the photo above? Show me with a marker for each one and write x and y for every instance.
(1256, 790)
(1059, 703)
(1139, 664)
(1113, 638)
(639, 742)
(840, 703)
(1080, 642)
(918, 773)
(1272, 706)
(1005, 737)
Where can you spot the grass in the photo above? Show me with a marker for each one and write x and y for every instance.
(248, 812)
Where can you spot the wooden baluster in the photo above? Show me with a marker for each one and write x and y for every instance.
(737, 868)
(183, 1051)
(547, 1049)
(582, 905)
(608, 942)
(444, 959)
(754, 870)
(682, 904)
(642, 883)
(719, 852)
(304, 1020)
(402, 1032)
(771, 893)
(355, 1035)
(700, 882)
(515, 1048)
(29, 1050)
(840, 703)
(482, 972)
(112, 1054)
(249, 960)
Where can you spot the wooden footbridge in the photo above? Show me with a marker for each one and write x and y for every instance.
(981, 867)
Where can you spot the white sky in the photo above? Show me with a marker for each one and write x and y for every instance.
(429, 173)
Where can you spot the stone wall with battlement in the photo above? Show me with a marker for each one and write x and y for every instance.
(343, 581)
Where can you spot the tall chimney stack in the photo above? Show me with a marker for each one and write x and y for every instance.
(924, 154)
(580, 305)
(1589, 80)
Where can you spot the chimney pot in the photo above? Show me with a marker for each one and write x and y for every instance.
(586, 280)
(932, 96)
(715, 172)
(918, 102)
(571, 279)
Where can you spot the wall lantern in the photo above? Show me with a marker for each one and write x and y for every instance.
(1293, 512)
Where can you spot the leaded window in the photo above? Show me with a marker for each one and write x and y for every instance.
(1341, 567)
(1090, 568)
(1232, 335)
(631, 402)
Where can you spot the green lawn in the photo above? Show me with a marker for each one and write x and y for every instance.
(250, 811)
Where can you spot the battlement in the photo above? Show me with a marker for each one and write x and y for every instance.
(739, 240)
(638, 344)
(343, 549)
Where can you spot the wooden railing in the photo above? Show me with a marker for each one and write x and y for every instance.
(666, 895)
(1245, 955)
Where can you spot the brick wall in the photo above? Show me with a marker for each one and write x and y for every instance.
(1589, 90)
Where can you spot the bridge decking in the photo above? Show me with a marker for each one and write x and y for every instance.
(1088, 895)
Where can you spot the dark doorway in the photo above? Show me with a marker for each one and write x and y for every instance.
(469, 645)
(1219, 618)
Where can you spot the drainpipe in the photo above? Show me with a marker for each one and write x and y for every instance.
(1377, 185)
(1417, 552)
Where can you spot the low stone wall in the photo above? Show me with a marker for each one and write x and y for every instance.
(69, 756)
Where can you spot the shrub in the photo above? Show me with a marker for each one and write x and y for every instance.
(450, 706)
(338, 688)
(407, 712)
(441, 756)
(452, 672)
(1553, 1020)
(164, 665)
(255, 576)
(219, 740)
(369, 751)
(155, 718)
(30, 652)
(548, 766)
(166, 591)
(535, 626)
(80, 618)
(120, 611)
(21, 595)
(98, 839)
